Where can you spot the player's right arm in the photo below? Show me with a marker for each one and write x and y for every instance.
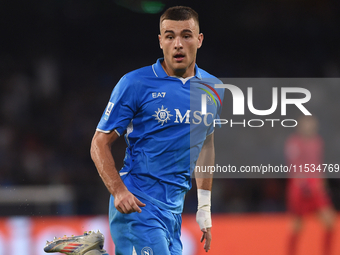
(125, 201)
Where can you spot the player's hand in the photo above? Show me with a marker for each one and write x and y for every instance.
(203, 218)
(126, 202)
(207, 237)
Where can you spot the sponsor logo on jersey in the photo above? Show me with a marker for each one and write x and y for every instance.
(195, 117)
(162, 115)
(189, 117)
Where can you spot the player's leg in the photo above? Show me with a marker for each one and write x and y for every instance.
(121, 237)
(176, 246)
(140, 238)
(296, 207)
(325, 211)
(120, 231)
(296, 227)
(140, 233)
(327, 216)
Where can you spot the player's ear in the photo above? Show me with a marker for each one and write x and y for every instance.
(160, 41)
(200, 40)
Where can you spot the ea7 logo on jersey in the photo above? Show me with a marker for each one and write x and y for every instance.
(158, 94)
(108, 110)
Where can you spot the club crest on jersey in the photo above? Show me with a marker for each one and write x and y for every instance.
(147, 251)
(162, 115)
(210, 96)
(209, 100)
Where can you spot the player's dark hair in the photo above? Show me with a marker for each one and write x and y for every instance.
(180, 13)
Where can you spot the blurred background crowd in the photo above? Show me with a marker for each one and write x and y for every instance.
(59, 61)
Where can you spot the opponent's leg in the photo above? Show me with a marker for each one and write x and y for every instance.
(296, 228)
(327, 216)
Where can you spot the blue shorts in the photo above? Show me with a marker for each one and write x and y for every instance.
(151, 232)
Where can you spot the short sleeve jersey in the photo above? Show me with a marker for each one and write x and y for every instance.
(300, 151)
(165, 130)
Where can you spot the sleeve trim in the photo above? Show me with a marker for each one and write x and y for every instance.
(210, 133)
(116, 132)
(107, 132)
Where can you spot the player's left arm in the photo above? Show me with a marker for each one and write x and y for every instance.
(204, 186)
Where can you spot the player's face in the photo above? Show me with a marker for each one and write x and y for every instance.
(308, 126)
(179, 41)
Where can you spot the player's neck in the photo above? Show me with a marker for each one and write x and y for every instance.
(184, 73)
(179, 73)
(307, 137)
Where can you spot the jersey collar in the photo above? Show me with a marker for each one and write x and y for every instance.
(159, 71)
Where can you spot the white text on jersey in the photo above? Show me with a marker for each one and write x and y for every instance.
(158, 94)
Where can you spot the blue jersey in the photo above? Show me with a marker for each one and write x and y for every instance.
(165, 130)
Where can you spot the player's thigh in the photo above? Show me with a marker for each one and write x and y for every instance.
(138, 238)
(143, 233)
(176, 246)
(157, 244)
(120, 233)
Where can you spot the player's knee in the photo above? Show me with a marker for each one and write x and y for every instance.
(297, 224)
(327, 215)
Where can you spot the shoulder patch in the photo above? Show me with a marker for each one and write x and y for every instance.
(109, 108)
